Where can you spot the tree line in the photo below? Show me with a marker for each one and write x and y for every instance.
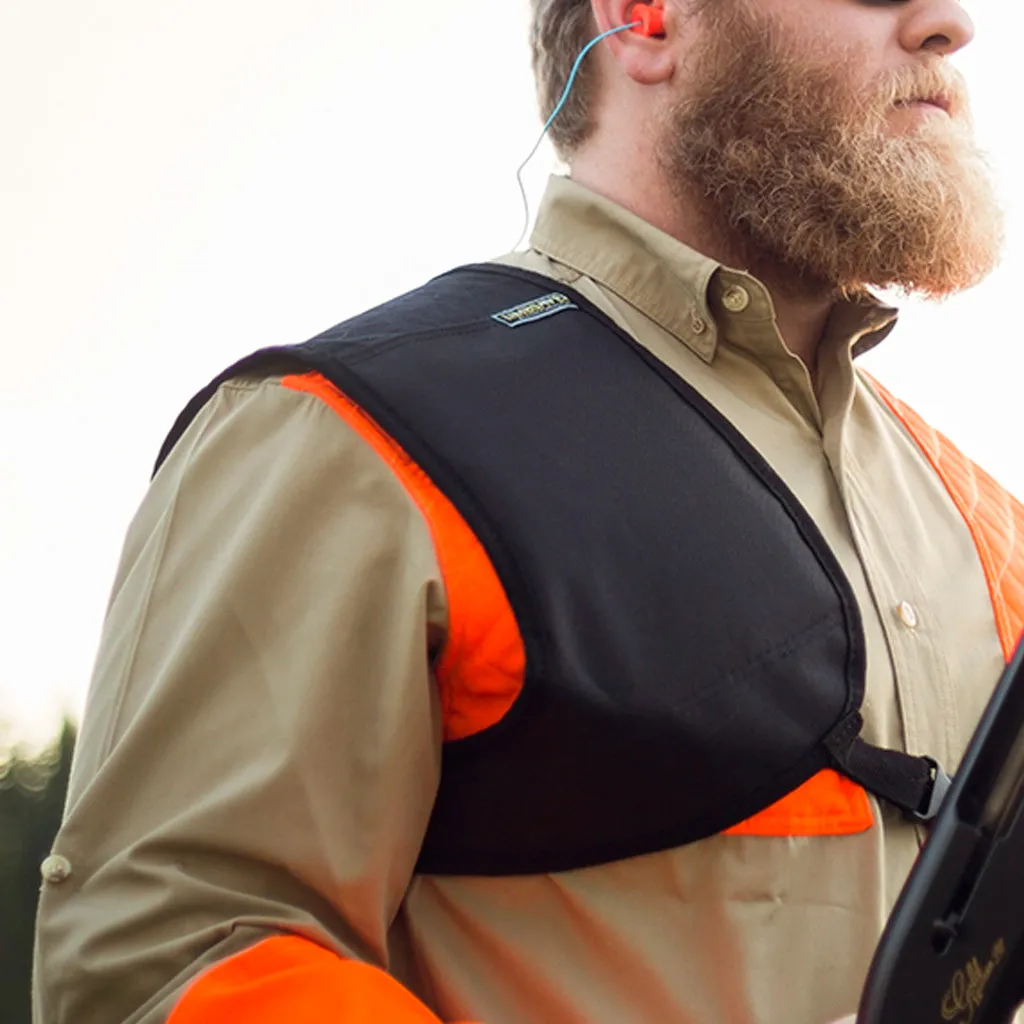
(32, 792)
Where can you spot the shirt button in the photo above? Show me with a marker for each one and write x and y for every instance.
(907, 614)
(735, 299)
(698, 324)
(55, 869)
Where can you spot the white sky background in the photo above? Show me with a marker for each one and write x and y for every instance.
(184, 182)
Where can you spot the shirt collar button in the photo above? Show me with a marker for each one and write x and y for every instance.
(735, 299)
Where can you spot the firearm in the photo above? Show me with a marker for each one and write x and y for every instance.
(953, 950)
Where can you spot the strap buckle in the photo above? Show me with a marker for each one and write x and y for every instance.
(940, 786)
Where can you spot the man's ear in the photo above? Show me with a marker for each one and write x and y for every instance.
(648, 60)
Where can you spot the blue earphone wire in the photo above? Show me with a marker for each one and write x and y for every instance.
(554, 113)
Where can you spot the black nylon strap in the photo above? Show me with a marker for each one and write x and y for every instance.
(914, 784)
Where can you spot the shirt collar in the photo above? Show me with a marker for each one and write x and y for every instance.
(696, 299)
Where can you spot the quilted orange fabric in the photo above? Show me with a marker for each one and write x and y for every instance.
(994, 516)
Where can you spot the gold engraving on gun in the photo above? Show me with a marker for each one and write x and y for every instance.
(967, 990)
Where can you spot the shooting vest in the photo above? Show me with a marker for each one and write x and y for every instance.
(649, 640)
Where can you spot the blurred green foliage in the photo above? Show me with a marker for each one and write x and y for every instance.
(32, 792)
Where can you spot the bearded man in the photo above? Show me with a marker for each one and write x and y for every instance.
(581, 637)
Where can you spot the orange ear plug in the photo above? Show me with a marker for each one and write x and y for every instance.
(651, 18)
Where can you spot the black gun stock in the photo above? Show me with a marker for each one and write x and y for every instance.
(953, 950)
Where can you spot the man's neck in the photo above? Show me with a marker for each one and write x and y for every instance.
(802, 325)
(801, 313)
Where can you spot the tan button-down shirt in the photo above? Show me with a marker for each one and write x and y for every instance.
(261, 745)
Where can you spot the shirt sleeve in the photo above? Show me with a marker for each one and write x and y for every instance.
(260, 750)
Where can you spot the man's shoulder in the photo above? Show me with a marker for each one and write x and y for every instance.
(467, 298)
(458, 323)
